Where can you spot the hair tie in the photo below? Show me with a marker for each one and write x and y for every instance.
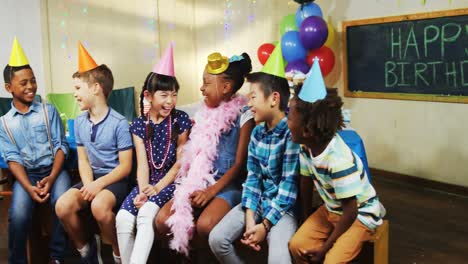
(235, 58)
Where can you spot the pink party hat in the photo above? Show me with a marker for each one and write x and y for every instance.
(165, 65)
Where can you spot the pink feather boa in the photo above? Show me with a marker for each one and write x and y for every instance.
(196, 172)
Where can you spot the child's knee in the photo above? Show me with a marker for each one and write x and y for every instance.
(65, 206)
(204, 226)
(216, 239)
(124, 221)
(294, 245)
(101, 210)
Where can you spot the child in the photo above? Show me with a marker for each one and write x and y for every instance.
(335, 231)
(104, 161)
(33, 143)
(270, 191)
(158, 135)
(213, 161)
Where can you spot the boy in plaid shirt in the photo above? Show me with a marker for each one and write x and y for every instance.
(270, 190)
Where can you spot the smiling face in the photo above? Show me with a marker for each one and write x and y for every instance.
(162, 102)
(22, 86)
(83, 94)
(259, 104)
(214, 89)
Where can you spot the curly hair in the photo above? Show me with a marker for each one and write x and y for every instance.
(322, 118)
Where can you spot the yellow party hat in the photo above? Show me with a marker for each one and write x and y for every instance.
(17, 57)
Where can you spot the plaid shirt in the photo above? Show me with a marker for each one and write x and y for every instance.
(272, 164)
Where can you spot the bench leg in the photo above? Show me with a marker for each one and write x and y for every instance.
(381, 249)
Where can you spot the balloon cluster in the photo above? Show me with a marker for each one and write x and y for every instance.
(304, 36)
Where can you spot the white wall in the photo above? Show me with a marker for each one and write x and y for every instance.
(22, 18)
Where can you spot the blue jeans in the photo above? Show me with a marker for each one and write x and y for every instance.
(20, 217)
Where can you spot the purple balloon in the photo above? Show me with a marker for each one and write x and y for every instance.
(298, 65)
(313, 32)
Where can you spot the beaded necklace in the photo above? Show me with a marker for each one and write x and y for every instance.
(150, 144)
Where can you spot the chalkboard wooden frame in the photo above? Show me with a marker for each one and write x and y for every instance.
(396, 96)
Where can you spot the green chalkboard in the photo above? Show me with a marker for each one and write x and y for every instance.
(413, 57)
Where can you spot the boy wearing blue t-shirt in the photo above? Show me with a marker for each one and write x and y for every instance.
(104, 162)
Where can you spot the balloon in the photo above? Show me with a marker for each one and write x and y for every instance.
(331, 35)
(313, 32)
(264, 52)
(288, 23)
(298, 65)
(326, 59)
(291, 47)
(307, 10)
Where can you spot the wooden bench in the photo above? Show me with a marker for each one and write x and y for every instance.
(375, 250)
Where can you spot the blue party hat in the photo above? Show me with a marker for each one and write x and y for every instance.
(313, 88)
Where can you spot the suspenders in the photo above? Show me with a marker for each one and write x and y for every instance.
(46, 120)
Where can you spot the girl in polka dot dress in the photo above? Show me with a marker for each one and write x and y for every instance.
(158, 137)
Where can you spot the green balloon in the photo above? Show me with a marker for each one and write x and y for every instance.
(288, 23)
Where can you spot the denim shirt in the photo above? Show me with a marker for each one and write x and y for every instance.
(227, 149)
(32, 149)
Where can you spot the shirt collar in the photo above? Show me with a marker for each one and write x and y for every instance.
(100, 122)
(35, 107)
(278, 130)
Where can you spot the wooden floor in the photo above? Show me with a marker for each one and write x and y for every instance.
(426, 226)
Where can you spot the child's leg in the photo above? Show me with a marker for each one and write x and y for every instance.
(66, 209)
(145, 233)
(229, 229)
(311, 235)
(278, 239)
(162, 230)
(349, 244)
(210, 217)
(19, 224)
(102, 209)
(125, 225)
(145, 229)
(58, 243)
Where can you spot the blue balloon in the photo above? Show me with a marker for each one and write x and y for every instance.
(307, 10)
(291, 47)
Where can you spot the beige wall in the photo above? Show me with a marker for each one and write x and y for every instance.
(423, 139)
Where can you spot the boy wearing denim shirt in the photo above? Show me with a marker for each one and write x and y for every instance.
(104, 162)
(270, 190)
(32, 141)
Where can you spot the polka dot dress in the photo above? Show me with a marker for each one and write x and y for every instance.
(158, 144)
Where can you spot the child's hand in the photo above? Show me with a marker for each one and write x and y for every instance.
(90, 190)
(140, 200)
(44, 185)
(313, 255)
(201, 198)
(254, 236)
(148, 190)
(35, 194)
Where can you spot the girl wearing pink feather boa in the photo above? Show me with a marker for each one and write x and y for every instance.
(213, 163)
